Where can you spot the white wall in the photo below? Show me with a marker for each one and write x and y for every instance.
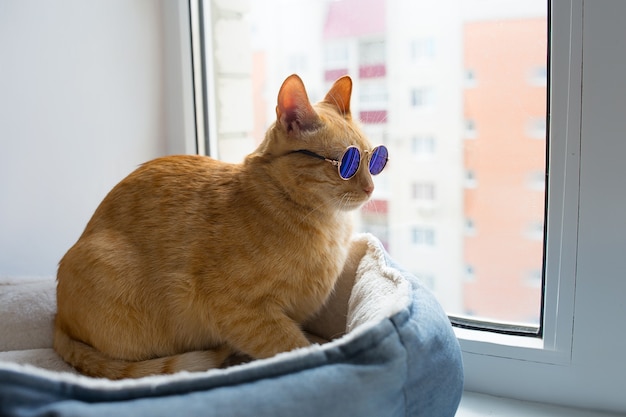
(83, 96)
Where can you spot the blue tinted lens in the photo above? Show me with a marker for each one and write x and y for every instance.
(378, 160)
(349, 163)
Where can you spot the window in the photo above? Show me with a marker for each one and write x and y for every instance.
(373, 95)
(533, 278)
(476, 41)
(534, 230)
(423, 49)
(423, 146)
(423, 236)
(492, 357)
(470, 78)
(470, 276)
(536, 180)
(538, 76)
(424, 191)
(298, 62)
(336, 55)
(470, 129)
(536, 128)
(372, 52)
(470, 179)
(375, 226)
(422, 97)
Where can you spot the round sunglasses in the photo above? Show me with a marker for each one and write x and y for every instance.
(350, 160)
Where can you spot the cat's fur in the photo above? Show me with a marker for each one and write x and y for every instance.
(189, 260)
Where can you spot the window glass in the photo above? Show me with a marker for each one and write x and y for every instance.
(462, 112)
(423, 49)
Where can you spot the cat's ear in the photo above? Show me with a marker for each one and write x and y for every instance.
(294, 111)
(339, 95)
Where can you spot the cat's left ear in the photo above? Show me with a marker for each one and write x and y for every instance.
(339, 95)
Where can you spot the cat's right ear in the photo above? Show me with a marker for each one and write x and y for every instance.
(339, 95)
(294, 111)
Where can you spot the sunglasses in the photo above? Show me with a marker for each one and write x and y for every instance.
(350, 160)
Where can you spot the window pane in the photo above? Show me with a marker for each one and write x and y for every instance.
(456, 90)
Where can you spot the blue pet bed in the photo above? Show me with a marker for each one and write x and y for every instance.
(389, 351)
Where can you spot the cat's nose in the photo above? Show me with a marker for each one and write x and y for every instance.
(368, 189)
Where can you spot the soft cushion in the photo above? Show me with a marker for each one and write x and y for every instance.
(392, 352)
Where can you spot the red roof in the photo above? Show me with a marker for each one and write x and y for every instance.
(354, 18)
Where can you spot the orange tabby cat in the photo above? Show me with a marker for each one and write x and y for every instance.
(189, 260)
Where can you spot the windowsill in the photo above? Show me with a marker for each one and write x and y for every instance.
(474, 404)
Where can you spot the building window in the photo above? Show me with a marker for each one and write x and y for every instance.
(538, 76)
(534, 230)
(470, 129)
(470, 227)
(422, 97)
(373, 95)
(423, 49)
(423, 145)
(533, 278)
(469, 78)
(299, 62)
(372, 52)
(536, 128)
(470, 274)
(536, 180)
(423, 191)
(423, 236)
(336, 55)
(470, 179)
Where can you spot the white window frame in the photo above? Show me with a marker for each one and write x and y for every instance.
(491, 357)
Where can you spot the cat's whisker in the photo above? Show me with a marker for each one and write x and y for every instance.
(371, 206)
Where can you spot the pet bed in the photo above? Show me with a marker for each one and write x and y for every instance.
(391, 352)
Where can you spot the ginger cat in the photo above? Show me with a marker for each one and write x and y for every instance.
(189, 260)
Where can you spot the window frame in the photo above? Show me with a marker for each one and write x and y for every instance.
(486, 353)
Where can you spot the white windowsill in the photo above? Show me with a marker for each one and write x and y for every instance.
(474, 404)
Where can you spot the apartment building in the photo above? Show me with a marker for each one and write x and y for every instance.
(505, 164)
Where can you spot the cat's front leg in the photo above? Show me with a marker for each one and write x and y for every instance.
(262, 334)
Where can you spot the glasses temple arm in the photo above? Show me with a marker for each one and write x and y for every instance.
(313, 154)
